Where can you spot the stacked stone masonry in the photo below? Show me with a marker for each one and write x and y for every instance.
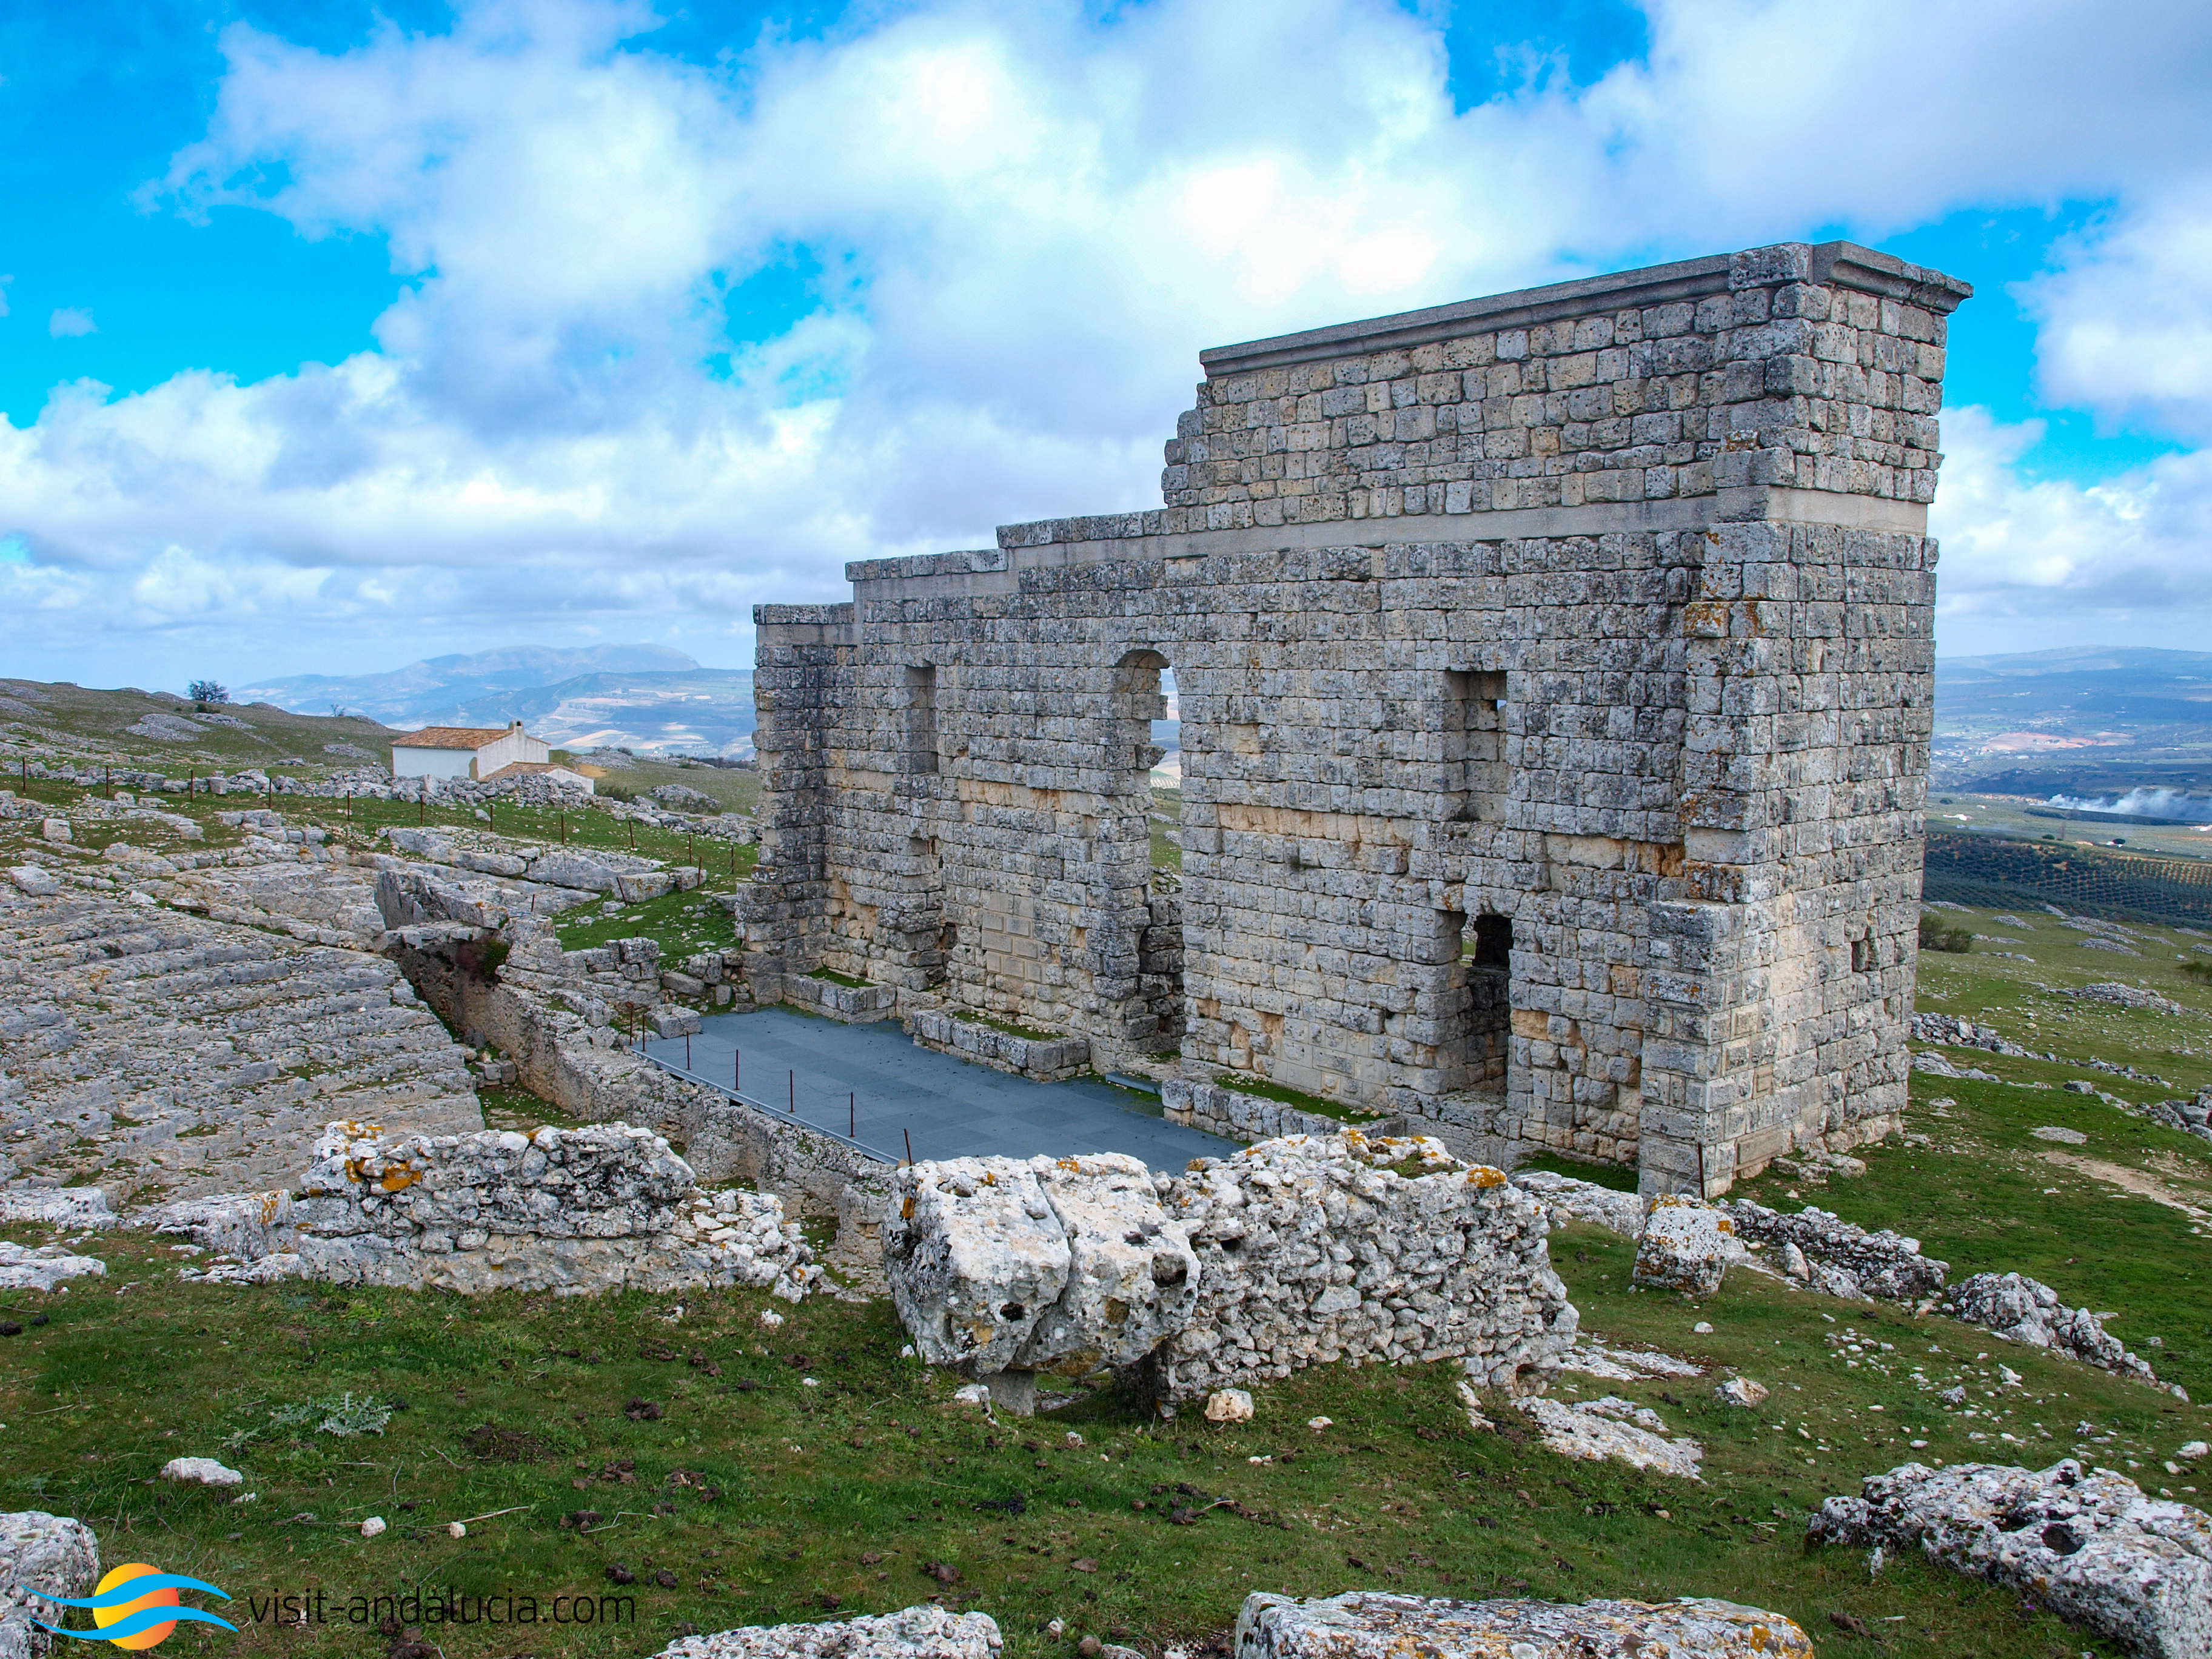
(1554, 675)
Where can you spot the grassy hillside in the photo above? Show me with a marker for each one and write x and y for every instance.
(96, 724)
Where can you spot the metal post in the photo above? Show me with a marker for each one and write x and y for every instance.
(687, 1051)
(853, 1112)
(736, 1071)
(794, 1094)
(908, 1133)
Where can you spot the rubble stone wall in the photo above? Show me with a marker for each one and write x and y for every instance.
(576, 1210)
(1603, 610)
(1316, 1250)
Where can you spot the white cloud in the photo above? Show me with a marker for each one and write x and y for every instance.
(1029, 223)
(2127, 323)
(2032, 564)
(71, 320)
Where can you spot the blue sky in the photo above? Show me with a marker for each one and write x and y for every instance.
(336, 335)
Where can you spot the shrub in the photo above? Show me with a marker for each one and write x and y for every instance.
(1935, 936)
(207, 691)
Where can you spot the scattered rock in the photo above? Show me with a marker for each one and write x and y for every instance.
(1742, 1391)
(2055, 1132)
(34, 882)
(1686, 1246)
(1374, 1625)
(56, 829)
(2090, 1547)
(372, 1527)
(1592, 1357)
(2123, 996)
(201, 1471)
(1229, 1406)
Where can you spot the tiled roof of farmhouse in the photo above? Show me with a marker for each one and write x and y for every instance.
(450, 737)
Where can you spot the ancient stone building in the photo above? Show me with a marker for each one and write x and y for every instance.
(1554, 679)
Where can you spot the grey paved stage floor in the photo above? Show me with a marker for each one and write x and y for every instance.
(897, 1088)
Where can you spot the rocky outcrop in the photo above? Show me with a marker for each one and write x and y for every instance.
(158, 1052)
(22, 1268)
(1315, 1249)
(2088, 1545)
(2027, 1311)
(1615, 1430)
(1048, 1264)
(43, 1558)
(1376, 1625)
(924, 1632)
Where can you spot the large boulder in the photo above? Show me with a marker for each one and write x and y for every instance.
(1065, 1264)
(1686, 1246)
(1131, 1277)
(2090, 1547)
(924, 1632)
(1376, 1625)
(43, 1558)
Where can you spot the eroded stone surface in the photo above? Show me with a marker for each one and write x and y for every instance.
(1132, 1278)
(48, 1555)
(2086, 1544)
(22, 1268)
(1885, 1266)
(924, 1632)
(1376, 1625)
(1614, 1428)
(974, 1254)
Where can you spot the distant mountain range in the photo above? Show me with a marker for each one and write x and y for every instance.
(2083, 721)
(630, 697)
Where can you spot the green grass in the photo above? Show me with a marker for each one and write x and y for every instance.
(1619, 1177)
(683, 924)
(849, 1489)
(835, 978)
(1011, 1028)
(1245, 1084)
(738, 791)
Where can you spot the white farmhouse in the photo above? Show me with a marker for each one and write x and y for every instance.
(466, 751)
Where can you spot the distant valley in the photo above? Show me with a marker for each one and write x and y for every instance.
(2086, 722)
(646, 697)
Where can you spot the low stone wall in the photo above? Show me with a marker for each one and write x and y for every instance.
(1048, 1060)
(44, 1559)
(1295, 1251)
(1315, 1249)
(573, 1211)
(1235, 1116)
(856, 1005)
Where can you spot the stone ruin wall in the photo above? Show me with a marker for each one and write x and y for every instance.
(1604, 609)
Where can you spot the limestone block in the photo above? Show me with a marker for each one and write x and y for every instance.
(1884, 1265)
(975, 1253)
(43, 1558)
(1376, 1625)
(1687, 1245)
(1612, 1429)
(2088, 1545)
(56, 829)
(561, 868)
(1132, 1277)
(922, 1633)
(31, 880)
